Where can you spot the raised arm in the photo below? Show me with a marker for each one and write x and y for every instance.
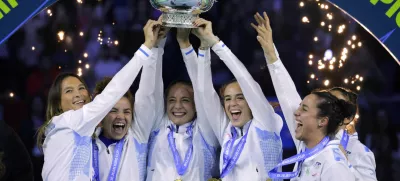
(149, 106)
(191, 62)
(262, 111)
(285, 89)
(87, 118)
(209, 103)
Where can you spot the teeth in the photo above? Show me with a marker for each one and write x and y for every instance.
(233, 112)
(119, 124)
(78, 102)
(179, 114)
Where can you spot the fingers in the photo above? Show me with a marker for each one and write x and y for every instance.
(267, 22)
(257, 18)
(254, 26)
(261, 30)
(201, 22)
(160, 18)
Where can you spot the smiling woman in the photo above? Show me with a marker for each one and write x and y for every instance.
(116, 123)
(72, 119)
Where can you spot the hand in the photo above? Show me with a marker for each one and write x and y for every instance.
(151, 31)
(162, 33)
(182, 35)
(204, 32)
(264, 37)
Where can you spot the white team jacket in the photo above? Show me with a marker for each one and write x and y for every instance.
(329, 164)
(161, 165)
(68, 143)
(133, 160)
(361, 158)
(263, 148)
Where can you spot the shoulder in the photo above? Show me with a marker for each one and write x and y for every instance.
(332, 154)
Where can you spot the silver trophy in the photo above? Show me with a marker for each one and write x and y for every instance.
(181, 13)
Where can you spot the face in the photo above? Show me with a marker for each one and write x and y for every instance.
(339, 95)
(73, 94)
(236, 106)
(308, 123)
(180, 104)
(118, 120)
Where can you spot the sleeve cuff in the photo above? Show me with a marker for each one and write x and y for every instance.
(219, 46)
(275, 65)
(187, 51)
(162, 42)
(203, 53)
(144, 52)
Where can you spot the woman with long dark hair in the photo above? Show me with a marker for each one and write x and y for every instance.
(72, 117)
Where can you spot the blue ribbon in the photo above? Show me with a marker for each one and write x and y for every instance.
(112, 175)
(345, 139)
(229, 159)
(274, 174)
(181, 167)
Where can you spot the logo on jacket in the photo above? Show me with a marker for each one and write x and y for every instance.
(317, 165)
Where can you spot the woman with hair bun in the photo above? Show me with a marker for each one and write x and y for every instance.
(312, 121)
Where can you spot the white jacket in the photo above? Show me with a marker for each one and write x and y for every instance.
(161, 165)
(361, 158)
(327, 165)
(263, 148)
(68, 143)
(134, 154)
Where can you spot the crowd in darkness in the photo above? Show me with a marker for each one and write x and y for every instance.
(35, 55)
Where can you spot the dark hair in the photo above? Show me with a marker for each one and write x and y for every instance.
(349, 94)
(223, 87)
(176, 82)
(336, 110)
(102, 84)
(54, 103)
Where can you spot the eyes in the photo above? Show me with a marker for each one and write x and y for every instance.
(70, 90)
(228, 98)
(126, 111)
(184, 100)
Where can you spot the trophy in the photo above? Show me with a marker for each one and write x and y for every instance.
(181, 13)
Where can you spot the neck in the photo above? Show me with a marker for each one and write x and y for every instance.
(313, 141)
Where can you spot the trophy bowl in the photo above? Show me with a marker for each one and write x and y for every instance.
(181, 13)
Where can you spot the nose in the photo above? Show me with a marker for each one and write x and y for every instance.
(297, 112)
(233, 102)
(77, 94)
(120, 115)
(178, 105)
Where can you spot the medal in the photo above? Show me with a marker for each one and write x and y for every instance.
(269, 179)
(178, 179)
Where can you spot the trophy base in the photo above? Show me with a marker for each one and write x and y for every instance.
(179, 19)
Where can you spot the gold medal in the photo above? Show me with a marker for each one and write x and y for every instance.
(178, 179)
(214, 179)
(269, 179)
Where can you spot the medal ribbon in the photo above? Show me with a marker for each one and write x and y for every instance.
(181, 167)
(112, 175)
(274, 174)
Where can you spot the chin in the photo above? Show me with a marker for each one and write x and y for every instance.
(237, 124)
(118, 137)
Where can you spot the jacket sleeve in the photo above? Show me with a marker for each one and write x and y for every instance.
(288, 97)
(262, 111)
(208, 99)
(149, 101)
(85, 120)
